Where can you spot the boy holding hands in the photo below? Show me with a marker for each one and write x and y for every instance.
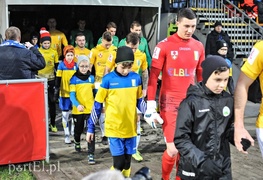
(120, 110)
(204, 125)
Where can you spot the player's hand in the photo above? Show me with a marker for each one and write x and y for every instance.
(89, 137)
(144, 92)
(80, 108)
(239, 133)
(211, 168)
(151, 116)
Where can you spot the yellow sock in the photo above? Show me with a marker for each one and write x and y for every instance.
(111, 168)
(126, 172)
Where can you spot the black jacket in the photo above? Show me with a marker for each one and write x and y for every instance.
(203, 130)
(210, 46)
(20, 63)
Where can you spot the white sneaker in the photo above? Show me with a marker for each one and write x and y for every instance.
(67, 139)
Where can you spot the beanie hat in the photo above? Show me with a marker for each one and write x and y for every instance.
(220, 44)
(210, 64)
(44, 35)
(68, 48)
(218, 23)
(82, 58)
(124, 54)
(34, 35)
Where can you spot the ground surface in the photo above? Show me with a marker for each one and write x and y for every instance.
(68, 164)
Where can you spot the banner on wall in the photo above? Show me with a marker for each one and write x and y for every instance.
(23, 122)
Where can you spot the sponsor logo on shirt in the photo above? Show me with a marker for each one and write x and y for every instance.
(203, 110)
(114, 84)
(253, 55)
(174, 54)
(110, 58)
(184, 49)
(156, 52)
(181, 72)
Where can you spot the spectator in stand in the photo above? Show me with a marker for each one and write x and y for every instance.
(57, 37)
(112, 28)
(250, 8)
(18, 61)
(222, 49)
(86, 32)
(213, 36)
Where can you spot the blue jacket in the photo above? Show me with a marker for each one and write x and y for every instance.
(20, 63)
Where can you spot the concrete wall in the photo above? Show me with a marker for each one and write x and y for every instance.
(3, 19)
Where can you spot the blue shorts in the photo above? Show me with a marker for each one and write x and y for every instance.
(65, 104)
(121, 146)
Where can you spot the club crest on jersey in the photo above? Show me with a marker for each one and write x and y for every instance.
(133, 81)
(100, 55)
(174, 54)
(138, 62)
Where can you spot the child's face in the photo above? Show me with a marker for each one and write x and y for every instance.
(123, 70)
(222, 51)
(217, 82)
(69, 57)
(46, 44)
(34, 41)
(83, 67)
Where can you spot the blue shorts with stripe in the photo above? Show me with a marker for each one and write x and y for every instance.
(121, 146)
(65, 104)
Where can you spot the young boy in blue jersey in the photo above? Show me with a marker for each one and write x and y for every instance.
(82, 97)
(121, 90)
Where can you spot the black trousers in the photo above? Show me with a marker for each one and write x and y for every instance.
(79, 121)
(51, 103)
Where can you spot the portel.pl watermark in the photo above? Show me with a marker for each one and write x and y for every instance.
(35, 166)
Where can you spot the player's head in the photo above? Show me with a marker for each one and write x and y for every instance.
(215, 73)
(136, 27)
(112, 28)
(186, 23)
(80, 40)
(132, 41)
(106, 40)
(124, 60)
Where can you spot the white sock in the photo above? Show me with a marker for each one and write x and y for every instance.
(65, 115)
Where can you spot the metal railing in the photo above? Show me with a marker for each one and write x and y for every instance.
(243, 31)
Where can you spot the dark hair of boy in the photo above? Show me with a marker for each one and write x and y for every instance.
(107, 36)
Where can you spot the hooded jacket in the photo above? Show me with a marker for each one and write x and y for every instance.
(203, 130)
(210, 46)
